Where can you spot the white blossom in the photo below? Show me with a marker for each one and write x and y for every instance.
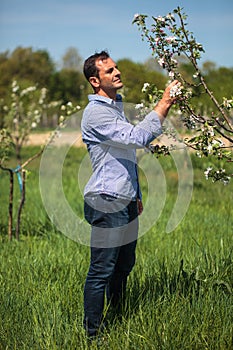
(139, 105)
(189, 92)
(27, 90)
(171, 39)
(206, 173)
(226, 180)
(160, 19)
(173, 60)
(43, 93)
(15, 88)
(145, 87)
(53, 104)
(176, 90)
(208, 129)
(211, 131)
(215, 143)
(161, 61)
(227, 103)
(170, 16)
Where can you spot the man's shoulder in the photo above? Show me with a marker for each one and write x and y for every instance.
(95, 106)
(98, 104)
(104, 99)
(95, 98)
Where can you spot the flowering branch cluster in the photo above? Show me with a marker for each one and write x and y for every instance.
(24, 112)
(67, 110)
(5, 145)
(169, 38)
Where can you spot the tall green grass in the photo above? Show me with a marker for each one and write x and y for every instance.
(179, 293)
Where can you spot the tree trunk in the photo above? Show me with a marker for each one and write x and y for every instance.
(10, 208)
(22, 201)
(18, 152)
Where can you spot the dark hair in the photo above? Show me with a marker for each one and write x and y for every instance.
(89, 68)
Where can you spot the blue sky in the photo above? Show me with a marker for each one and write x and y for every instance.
(93, 25)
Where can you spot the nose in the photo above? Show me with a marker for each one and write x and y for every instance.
(117, 70)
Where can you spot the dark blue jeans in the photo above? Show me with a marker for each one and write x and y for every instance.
(113, 242)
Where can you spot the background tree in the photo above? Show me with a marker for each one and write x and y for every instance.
(25, 65)
(134, 75)
(68, 85)
(72, 60)
(36, 68)
(22, 115)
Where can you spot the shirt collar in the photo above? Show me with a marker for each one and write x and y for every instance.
(117, 103)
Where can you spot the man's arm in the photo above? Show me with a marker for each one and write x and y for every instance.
(101, 125)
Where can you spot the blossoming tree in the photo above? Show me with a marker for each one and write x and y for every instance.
(212, 132)
(22, 114)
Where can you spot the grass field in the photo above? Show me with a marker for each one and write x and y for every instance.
(179, 293)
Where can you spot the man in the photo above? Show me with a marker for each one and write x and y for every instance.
(112, 195)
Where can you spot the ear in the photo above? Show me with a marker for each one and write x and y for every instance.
(94, 81)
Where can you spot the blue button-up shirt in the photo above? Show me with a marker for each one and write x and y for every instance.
(112, 142)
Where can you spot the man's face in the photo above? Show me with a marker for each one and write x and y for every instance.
(109, 75)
